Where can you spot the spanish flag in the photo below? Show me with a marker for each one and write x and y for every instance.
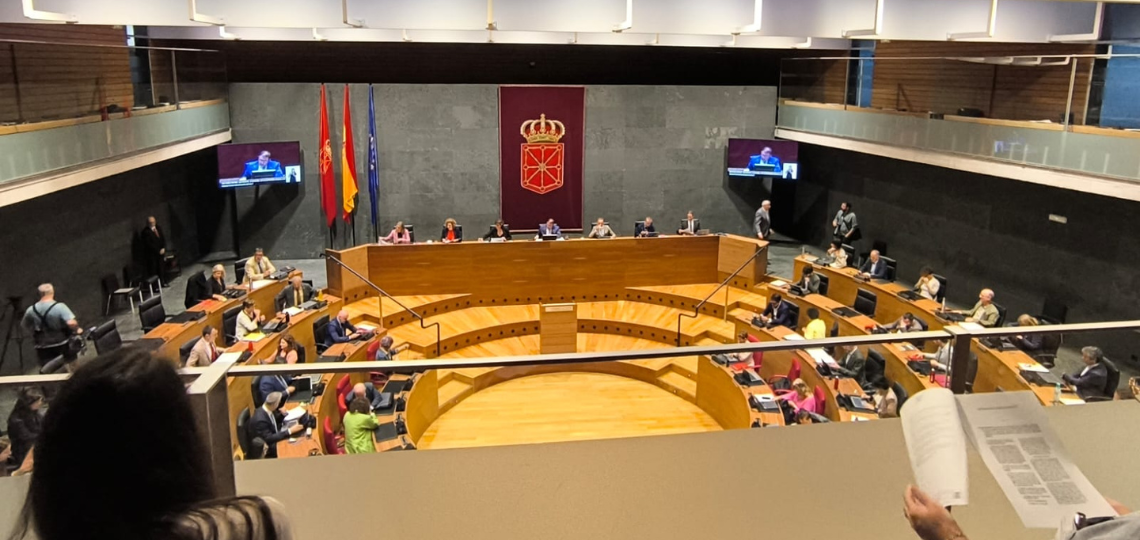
(348, 162)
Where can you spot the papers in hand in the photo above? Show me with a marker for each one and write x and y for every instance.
(295, 413)
(936, 445)
(1011, 433)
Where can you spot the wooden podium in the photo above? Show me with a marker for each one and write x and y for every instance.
(558, 328)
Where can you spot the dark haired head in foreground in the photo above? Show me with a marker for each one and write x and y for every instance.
(120, 457)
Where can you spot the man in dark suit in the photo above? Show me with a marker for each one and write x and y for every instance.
(263, 163)
(548, 228)
(154, 247)
(777, 313)
(690, 225)
(340, 330)
(851, 363)
(269, 384)
(267, 424)
(295, 294)
(366, 391)
(874, 267)
(1091, 381)
(643, 229)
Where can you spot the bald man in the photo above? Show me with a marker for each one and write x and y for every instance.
(295, 294)
(984, 312)
(340, 330)
(366, 391)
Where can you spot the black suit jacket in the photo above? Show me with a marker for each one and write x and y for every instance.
(152, 243)
(260, 425)
(492, 233)
(640, 228)
(853, 366)
(877, 271)
(780, 316)
(1091, 384)
(286, 296)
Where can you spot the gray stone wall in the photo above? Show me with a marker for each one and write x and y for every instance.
(650, 150)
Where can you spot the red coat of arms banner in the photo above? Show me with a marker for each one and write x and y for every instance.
(541, 166)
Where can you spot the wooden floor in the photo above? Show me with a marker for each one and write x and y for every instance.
(564, 407)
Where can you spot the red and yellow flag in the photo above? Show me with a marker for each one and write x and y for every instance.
(347, 162)
(324, 159)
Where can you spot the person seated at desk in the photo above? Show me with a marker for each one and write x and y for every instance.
(386, 351)
(601, 230)
(450, 233)
(1030, 343)
(248, 320)
(874, 267)
(809, 281)
(205, 351)
(691, 225)
(807, 417)
(777, 313)
(547, 229)
(359, 423)
(927, 285)
(1091, 380)
(267, 424)
(643, 230)
(765, 157)
(366, 392)
(268, 384)
(815, 328)
(851, 363)
(258, 267)
(838, 255)
(498, 230)
(287, 350)
(263, 163)
(940, 358)
(399, 235)
(906, 323)
(342, 331)
(200, 288)
(753, 359)
(800, 397)
(886, 402)
(295, 294)
(984, 312)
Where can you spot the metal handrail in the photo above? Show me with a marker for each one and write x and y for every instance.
(423, 323)
(697, 309)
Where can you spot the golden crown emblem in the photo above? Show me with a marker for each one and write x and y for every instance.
(542, 130)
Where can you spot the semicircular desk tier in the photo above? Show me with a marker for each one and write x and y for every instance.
(627, 294)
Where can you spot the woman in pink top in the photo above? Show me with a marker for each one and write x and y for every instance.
(399, 235)
(800, 397)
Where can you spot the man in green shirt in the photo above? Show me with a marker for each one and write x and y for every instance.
(359, 423)
(984, 312)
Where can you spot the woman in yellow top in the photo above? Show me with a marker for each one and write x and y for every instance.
(816, 328)
(359, 423)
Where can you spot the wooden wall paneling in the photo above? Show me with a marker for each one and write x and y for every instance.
(558, 328)
(341, 282)
(720, 396)
(423, 404)
(735, 250)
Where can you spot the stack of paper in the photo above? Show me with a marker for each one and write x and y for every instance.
(261, 283)
(293, 311)
(253, 336)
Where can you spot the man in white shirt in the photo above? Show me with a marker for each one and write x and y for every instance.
(248, 320)
(691, 225)
(927, 285)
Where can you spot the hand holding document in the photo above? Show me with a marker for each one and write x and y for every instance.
(936, 445)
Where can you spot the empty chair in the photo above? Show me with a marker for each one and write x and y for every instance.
(411, 232)
(113, 292)
(239, 270)
(342, 388)
(1050, 343)
(153, 286)
(1110, 382)
(793, 374)
(794, 310)
(866, 302)
(255, 391)
(321, 333)
(850, 255)
(332, 441)
(900, 395)
(229, 325)
(892, 267)
(874, 368)
(243, 431)
(151, 313)
(1001, 315)
(106, 337)
(820, 401)
(941, 287)
(184, 350)
(823, 283)
(1053, 312)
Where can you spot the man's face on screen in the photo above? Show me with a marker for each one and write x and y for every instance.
(766, 153)
(263, 159)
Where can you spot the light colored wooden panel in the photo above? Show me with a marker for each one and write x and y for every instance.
(559, 328)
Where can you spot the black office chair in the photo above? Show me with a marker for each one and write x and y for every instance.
(1110, 382)
(1001, 315)
(850, 255)
(55, 365)
(900, 396)
(113, 292)
(866, 302)
(411, 232)
(824, 282)
(106, 337)
(151, 313)
(321, 333)
(184, 350)
(239, 269)
(301, 355)
(1050, 344)
(459, 230)
(880, 246)
(229, 324)
(255, 391)
(920, 343)
(243, 430)
(795, 311)
(874, 368)
(833, 333)
(892, 267)
(941, 288)
(637, 226)
(1053, 312)
(971, 372)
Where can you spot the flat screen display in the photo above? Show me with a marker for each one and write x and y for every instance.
(759, 158)
(251, 164)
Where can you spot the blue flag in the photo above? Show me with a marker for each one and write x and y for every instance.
(373, 165)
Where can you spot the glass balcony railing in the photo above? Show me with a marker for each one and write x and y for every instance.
(1070, 113)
